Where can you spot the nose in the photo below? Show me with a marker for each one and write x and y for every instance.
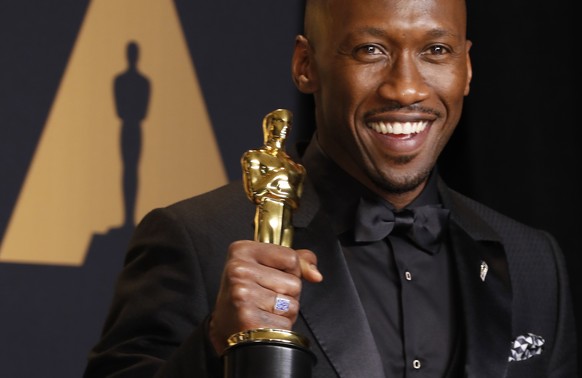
(403, 81)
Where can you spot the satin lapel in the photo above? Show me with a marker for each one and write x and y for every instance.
(486, 303)
(332, 308)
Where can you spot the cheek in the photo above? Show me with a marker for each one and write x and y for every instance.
(450, 85)
(350, 85)
(342, 98)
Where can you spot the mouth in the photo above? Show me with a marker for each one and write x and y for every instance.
(401, 129)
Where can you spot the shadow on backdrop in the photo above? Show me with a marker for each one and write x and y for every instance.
(132, 94)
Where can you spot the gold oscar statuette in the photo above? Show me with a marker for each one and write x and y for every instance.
(274, 182)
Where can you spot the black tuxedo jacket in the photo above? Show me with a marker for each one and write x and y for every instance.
(172, 274)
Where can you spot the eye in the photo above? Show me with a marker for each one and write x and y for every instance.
(438, 50)
(371, 50)
(369, 53)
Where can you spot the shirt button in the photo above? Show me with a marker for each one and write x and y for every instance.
(408, 276)
(416, 364)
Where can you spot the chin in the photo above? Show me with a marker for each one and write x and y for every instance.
(402, 184)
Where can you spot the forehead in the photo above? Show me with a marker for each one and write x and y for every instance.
(338, 17)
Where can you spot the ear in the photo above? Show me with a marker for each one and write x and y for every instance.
(469, 68)
(303, 66)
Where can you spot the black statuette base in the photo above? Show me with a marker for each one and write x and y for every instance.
(268, 360)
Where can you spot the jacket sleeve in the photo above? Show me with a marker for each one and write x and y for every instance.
(157, 323)
(564, 360)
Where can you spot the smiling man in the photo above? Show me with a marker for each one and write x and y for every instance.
(391, 274)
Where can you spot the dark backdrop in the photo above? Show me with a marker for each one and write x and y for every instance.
(518, 146)
(515, 150)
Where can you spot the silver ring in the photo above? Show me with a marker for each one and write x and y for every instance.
(281, 304)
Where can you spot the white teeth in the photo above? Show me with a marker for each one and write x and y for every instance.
(398, 128)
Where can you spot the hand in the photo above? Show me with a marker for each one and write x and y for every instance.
(254, 274)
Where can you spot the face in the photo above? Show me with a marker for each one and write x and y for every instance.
(389, 78)
(276, 131)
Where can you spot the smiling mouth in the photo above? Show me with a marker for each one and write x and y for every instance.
(398, 128)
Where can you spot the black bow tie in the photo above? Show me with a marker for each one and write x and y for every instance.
(422, 225)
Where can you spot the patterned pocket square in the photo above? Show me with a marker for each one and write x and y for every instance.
(526, 346)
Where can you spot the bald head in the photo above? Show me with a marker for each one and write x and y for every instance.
(319, 13)
(316, 13)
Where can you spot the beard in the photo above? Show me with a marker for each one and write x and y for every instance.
(401, 184)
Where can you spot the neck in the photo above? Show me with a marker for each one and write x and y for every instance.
(401, 200)
(275, 145)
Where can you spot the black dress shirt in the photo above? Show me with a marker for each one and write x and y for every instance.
(407, 293)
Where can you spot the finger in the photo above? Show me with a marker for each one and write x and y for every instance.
(247, 274)
(247, 299)
(308, 265)
(271, 255)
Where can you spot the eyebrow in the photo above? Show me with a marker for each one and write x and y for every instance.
(378, 32)
(438, 32)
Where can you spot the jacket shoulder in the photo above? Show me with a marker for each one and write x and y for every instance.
(226, 198)
(222, 211)
(487, 223)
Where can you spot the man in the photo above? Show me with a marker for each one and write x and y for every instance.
(468, 292)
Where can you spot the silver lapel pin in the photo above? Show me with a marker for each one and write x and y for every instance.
(483, 271)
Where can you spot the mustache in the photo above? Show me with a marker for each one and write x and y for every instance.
(408, 108)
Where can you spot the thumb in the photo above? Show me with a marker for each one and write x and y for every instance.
(308, 265)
